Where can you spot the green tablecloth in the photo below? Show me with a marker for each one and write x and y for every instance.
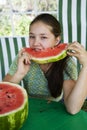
(53, 116)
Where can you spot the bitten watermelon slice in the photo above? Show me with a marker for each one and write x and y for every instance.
(13, 106)
(48, 55)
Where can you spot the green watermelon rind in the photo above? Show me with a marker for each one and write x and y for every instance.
(58, 57)
(14, 120)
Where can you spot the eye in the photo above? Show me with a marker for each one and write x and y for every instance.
(31, 37)
(43, 37)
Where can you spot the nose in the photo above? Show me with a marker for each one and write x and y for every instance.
(36, 41)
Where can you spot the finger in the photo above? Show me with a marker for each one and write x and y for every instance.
(26, 58)
(27, 61)
(73, 54)
(76, 47)
(75, 44)
(21, 52)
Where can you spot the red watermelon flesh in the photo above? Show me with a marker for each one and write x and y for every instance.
(10, 98)
(48, 55)
(13, 106)
(47, 52)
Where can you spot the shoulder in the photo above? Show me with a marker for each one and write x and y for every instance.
(70, 71)
(71, 60)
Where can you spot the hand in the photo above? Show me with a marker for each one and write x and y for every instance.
(77, 50)
(23, 62)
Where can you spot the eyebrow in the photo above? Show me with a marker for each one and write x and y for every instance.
(30, 33)
(40, 34)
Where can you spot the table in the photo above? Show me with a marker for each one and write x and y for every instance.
(53, 116)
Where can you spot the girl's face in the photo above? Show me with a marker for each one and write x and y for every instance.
(41, 37)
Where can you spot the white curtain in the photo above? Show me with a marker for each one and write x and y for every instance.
(72, 15)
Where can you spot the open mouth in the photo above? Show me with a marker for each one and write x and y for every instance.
(37, 49)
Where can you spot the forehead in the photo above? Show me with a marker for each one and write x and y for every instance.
(40, 27)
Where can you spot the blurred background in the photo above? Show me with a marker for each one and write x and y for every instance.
(16, 15)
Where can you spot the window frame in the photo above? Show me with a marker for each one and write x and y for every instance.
(10, 13)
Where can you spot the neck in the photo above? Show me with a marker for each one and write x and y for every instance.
(45, 67)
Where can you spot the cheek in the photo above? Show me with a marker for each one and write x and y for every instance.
(50, 44)
(45, 45)
(30, 43)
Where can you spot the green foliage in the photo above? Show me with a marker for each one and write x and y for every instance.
(22, 25)
(47, 5)
(14, 17)
(5, 26)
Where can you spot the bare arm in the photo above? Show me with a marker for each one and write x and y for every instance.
(13, 78)
(75, 93)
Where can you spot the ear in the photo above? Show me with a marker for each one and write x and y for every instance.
(58, 39)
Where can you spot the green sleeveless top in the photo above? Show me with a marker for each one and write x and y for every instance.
(35, 81)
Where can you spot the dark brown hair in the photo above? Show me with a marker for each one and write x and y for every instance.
(55, 73)
(50, 20)
(55, 77)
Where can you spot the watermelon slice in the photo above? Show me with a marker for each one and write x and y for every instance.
(48, 55)
(13, 106)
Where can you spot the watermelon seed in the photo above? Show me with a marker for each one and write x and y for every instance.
(6, 92)
(1, 89)
(8, 96)
(0, 109)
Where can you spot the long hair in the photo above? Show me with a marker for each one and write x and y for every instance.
(55, 73)
(55, 77)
